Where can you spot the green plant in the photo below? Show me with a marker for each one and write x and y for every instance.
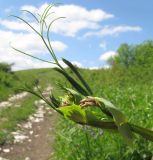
(5, 67)
(74, 105)
(11, 116)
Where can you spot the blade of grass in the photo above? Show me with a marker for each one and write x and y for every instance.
(32, 56)
(27, 24)
(31, 14)
(74, 69)
(77, 86)
(48, 38)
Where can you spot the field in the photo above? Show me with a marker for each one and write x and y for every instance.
(135, 100)
(74, 142)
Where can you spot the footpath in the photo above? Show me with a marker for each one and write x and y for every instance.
(34, 138)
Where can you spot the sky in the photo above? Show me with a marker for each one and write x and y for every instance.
(88, 36)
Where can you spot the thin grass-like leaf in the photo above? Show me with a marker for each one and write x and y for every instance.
(31, 14)
(119, 119)
(42, 16)
(27, 24)
(45, 18)
(54, 101)
(76, 85)
(74, 69)
(32, 56)
(144, 132)
(46, 11)
(27, 89)
(48, 38)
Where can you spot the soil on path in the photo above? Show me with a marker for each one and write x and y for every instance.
(39, 144)
(35, 138)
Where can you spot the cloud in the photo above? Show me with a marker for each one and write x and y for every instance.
(113, 30)
(78, 64)
(77, 19)
(17, 25)
(99, 67)
(105, 56)
(27, 42)
(103, 45)
(94, 68)
(24, 63)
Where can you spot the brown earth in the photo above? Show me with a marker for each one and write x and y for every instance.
(39, 145)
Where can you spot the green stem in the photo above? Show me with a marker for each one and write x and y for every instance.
(110, 125)
(89, 152)
(144, 132)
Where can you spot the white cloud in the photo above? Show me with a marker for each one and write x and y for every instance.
(105, 56)
(17, 25)
(30, 8)
(78, 64)
(72, 12)
(24, 62)
(77, 18)
(27, 42)
(103, 45)
(94, 68)
(99, 67)
(113, 30)
(106, 66)
(58, 46)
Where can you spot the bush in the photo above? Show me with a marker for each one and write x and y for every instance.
(4, 67)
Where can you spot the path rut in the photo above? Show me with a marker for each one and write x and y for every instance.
(35, 138)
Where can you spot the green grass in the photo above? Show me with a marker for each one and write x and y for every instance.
(18, 79)
(11, 116)
(135, 99)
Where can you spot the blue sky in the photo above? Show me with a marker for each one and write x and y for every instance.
(90, 34)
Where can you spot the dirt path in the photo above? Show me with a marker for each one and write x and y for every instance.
(13, 100)
(34, 139)
(39, 144)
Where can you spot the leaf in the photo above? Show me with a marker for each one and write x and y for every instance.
(125, 131)
(54, 101)
(74, 69)
(74, 113)
(91, 117)
(118, 116)
(76, 96)
(76, 85)
(144, 132)
(119, 119)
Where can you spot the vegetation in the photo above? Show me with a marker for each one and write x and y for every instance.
(136, 101)
(129, 88)
(123, 84)
(11, 83)
(11, 116)
(108, 117)
(7, 79)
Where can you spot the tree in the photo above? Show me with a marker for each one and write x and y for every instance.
(4, 67)
(134, 55)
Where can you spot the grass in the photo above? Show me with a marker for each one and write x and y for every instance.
(19, 78)
(135, 100)
(114, 85)
(11, 116)
(131, 95)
